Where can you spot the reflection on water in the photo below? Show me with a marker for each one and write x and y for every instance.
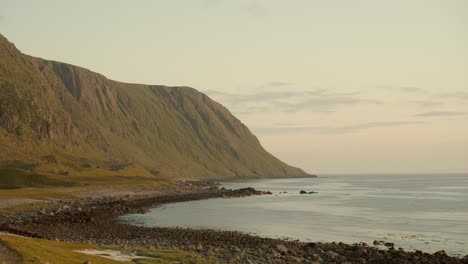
(427, 212)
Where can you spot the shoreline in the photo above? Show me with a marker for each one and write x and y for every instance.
(95, 220)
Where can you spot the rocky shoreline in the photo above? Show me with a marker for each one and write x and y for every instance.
(94, 220)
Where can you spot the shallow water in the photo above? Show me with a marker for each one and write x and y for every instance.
(426, 212)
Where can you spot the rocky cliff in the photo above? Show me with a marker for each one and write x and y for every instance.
(56, 113)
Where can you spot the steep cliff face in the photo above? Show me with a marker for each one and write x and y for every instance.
(77, 116)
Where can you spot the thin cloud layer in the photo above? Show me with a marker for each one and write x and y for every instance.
(331, 129)
(457, 95)
(442, 114)
(411, 89)
(320, 100)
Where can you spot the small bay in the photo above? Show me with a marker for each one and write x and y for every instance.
(428, 212)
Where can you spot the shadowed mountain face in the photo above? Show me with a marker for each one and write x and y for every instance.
(56, 113)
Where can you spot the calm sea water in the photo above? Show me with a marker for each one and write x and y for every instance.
(426, 212)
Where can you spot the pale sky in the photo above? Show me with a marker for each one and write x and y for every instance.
(332, 86)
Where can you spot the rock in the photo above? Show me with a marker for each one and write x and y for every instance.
(87, 262)
(275, 253)
(303, 192)
(209, 252)
(440, 253)
(199, 247)
(282, 249)
(312, 192)
(332, 254)
(376, 243)
(311, 245)
(259, 252)
(388, 244)
(314, 257)
(246, 260)
(235, 249)
(465, 258)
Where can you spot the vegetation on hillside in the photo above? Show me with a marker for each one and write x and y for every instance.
(66, 121)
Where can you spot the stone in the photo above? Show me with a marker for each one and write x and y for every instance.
(332, 254)
(282, 249)
(235, 249)
(199, 247)
(388, 244)
(209, 252)
(303, 192)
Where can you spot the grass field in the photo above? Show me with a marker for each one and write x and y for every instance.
(41, 251)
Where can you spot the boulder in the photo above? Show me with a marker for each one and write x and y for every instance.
(282, 249)
(199, 247)
(332, 254)
(388, 244)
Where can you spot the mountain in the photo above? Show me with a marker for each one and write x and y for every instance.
(60, 119)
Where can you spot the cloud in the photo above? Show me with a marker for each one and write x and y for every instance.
(423, 103)
(330, 129)
(458, 95)
(411, 89)
(319, 100)
(442, 114)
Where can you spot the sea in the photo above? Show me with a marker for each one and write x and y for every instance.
(427, 212)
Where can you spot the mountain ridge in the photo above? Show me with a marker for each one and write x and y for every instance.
(69, 116)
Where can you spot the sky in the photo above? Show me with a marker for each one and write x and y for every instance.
(337, 86)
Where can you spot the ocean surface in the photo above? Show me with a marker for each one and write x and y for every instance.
(425, 212)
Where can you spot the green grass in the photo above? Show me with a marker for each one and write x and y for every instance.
(42, 251)
(36, 193)
(12, 178)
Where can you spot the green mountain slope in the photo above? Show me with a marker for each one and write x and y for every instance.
(63, 119)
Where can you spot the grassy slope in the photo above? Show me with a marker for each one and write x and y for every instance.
(66, 120)
(45, 251)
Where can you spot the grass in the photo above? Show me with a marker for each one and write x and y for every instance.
(34, 250)
(40, 194)
(13, 178)
(35, 193)
(44, 177)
